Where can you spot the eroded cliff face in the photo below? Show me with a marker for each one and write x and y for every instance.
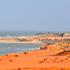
(58, 47)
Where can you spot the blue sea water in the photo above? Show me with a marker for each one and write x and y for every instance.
(15, 33)
(6, 48)
(11, 47)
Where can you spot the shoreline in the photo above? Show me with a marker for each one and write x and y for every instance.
(38, 59)
(50, 55)
(23, 42)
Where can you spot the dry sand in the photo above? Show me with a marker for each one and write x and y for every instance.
(35, 60)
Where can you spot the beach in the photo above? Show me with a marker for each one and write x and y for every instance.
(53, 54)
(34, 34)
(35, 60)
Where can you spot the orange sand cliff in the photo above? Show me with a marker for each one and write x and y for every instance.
(48, 59)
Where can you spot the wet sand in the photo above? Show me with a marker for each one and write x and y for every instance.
(13, 40)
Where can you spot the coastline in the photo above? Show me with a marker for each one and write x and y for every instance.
(23, 42)
(51, 55)
(37, 59)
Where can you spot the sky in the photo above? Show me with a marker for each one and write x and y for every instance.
(35, 15)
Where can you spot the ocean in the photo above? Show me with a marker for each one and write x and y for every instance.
(6, 48)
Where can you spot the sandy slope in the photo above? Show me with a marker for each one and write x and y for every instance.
(35, 60)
